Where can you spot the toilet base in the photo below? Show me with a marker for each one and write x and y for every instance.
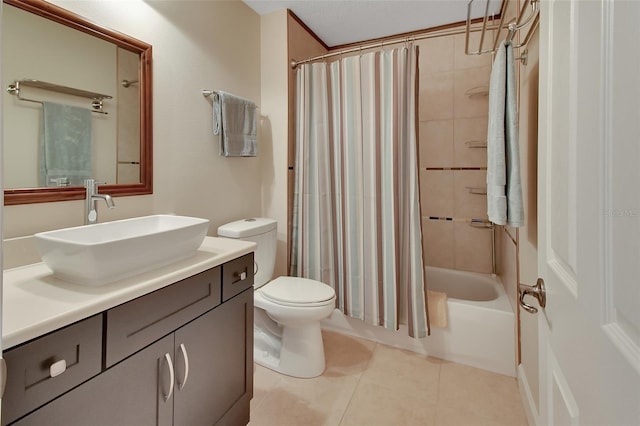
(294, 350)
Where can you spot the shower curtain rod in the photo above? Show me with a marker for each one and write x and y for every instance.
(383, 43)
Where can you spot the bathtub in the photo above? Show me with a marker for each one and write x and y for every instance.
(481, 330)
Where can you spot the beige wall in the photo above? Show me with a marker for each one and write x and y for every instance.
(196, 45)
(449, 118)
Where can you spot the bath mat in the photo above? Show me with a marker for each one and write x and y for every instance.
(437, 301)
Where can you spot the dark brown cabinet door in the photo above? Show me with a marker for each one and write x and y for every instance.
(219, 350)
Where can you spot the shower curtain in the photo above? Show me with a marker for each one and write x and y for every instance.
(356, 213)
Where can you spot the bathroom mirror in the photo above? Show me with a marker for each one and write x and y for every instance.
(121, 150)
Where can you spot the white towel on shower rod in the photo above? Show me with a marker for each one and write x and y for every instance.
(504, 189)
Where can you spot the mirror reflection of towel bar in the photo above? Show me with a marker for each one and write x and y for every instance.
(127, 83)
(96, 98)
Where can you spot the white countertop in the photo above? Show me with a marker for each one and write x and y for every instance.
(35, 302)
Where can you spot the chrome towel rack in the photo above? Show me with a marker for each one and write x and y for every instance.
(126, 83)
(531, 20)
(96, 98)
(476, 144)
(478, 224)
(208, 93)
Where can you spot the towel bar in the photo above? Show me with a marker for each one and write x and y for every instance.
(206, 93)
(532, 20)
(476, 144)
(481, 223)
(477, 191)
(477, 92)
(127, 83)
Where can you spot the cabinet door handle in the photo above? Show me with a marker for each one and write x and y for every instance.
(172, 377)
(3, 376)
(186, 366)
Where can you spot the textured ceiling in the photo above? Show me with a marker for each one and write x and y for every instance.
(339, 22)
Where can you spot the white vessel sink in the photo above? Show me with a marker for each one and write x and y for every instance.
(97, 254)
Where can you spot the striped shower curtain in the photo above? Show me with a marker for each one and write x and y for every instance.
(356, 213)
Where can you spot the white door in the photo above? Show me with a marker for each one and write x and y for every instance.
(2, 363)
(589, 212)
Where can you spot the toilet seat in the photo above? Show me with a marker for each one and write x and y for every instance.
(300, 292)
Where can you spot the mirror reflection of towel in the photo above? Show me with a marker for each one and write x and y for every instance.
(235, 118)
(65, 145)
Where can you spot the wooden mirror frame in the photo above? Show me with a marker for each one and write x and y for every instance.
(64, 17)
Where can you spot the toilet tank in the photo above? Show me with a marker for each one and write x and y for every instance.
(262, 231)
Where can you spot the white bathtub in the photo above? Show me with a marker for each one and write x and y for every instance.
(481, 324)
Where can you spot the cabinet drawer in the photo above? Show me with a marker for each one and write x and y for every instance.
(140, 322)
(75, 349)
(237, 276)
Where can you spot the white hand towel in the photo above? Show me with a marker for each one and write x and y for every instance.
(515, 207)
(504, 190)
(496, 165)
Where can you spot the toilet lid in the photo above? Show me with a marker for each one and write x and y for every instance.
(299, 291)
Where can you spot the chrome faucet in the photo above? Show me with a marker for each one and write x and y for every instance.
(91, 208)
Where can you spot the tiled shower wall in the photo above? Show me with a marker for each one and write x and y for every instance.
(452, 172)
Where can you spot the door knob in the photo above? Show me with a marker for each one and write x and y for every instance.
(538, 291)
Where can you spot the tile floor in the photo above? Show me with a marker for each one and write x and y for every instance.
(370, 384)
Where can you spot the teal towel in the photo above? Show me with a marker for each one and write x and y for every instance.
(65, 145)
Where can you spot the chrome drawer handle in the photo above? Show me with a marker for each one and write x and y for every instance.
(241, 276)
(172, 377)
(186, 366)
(57, 368)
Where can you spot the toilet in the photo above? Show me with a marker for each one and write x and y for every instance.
(287, 310)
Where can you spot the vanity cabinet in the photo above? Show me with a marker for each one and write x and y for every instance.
(182, 355)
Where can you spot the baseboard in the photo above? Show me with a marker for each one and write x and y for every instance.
(527, 398)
